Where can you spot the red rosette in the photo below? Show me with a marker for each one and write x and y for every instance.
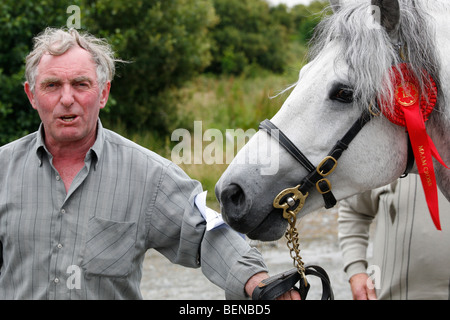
(407, 93)
(411, 109)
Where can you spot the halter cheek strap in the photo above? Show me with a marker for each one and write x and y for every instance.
(293, 198)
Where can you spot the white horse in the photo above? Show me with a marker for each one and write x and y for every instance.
(352, 53)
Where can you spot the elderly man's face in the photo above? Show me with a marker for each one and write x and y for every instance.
(68, 97)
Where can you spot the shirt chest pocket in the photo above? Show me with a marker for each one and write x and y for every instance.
(110, 247)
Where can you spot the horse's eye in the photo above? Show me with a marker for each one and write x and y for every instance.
(342, 94)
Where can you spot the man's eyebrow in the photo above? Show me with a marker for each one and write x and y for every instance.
(50, 80)
(44, 82)
(82, 79)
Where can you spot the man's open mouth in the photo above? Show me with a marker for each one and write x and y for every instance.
(69, 118)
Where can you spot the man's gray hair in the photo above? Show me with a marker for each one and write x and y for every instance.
(58, 41)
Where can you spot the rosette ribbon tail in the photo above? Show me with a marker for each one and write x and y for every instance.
(423, 149)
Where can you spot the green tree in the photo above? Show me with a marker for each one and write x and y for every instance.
(306, 18)
(167, 43)
(282, 15)
(247, 34)
(20, 20)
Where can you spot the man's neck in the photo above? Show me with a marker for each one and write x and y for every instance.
(70, 150)
(68, 158)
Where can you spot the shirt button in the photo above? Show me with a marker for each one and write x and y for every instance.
(58, 178)
(63, 211)
(56, 280)
(59, 246)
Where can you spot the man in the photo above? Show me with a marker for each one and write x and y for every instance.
(80, 205)
(410, 257)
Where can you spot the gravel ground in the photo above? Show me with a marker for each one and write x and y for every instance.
(163, 280)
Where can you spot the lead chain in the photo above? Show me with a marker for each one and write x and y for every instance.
(293, 244)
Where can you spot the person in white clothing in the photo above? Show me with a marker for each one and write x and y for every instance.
(411, 258)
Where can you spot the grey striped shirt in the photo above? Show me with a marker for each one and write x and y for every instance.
(89, 243)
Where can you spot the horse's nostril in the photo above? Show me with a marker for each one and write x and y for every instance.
(236, 195)
(233, 200)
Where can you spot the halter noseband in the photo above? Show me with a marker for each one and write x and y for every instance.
(293, 198)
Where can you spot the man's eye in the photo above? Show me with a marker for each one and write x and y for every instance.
(342, 94)
(82, 84)
(50, 86)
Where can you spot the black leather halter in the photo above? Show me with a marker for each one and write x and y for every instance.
(316, 175)
(292, 200)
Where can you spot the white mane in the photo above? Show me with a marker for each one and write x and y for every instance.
(370, 51)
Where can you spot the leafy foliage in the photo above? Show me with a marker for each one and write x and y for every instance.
(247, 34)
(167, 43)
(20, 21)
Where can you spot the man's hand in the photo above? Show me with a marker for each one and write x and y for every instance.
(257, 278)
(359, 284)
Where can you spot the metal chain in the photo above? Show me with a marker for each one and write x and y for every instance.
(293, 244)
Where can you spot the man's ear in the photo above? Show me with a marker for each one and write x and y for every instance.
(105, 94)
(30, 94)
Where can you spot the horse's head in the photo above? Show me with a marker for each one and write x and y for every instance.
(347, 71)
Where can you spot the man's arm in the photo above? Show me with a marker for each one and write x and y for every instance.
(177, 229)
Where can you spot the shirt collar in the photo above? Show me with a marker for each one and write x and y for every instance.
(93, 154)
(97, 149)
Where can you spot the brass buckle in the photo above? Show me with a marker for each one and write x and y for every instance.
(318, 169)
(320, 190)
(298, 199)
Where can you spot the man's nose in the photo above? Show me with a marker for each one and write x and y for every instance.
(67, 97)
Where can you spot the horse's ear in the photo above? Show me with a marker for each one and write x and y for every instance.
(389, 13)
(335, 5)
